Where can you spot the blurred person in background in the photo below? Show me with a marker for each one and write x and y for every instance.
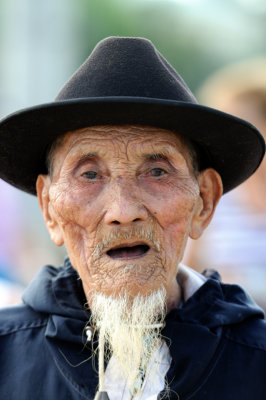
(11, 287)
(235, 242)
(126, 166)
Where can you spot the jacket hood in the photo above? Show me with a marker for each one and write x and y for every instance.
(59, 291)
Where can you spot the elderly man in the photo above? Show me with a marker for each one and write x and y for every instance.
(127, 166)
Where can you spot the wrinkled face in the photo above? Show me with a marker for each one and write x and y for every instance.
(123, 199)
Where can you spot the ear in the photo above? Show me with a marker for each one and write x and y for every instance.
(211, 190)
(42, 187)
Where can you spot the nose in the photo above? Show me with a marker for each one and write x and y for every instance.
(124, 205)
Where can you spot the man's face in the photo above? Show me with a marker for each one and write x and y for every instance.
(123, 199)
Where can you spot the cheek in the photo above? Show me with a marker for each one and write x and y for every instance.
(77, 221)
(74, 206)
(175, 219)
(173, 213)
(171, 203)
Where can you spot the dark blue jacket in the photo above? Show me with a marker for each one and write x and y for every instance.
(217, 343)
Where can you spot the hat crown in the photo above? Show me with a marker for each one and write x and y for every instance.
(126, 67)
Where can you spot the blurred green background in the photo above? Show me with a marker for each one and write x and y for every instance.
(42, 42)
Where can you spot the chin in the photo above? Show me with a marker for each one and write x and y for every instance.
(128, 277)
(133, 288)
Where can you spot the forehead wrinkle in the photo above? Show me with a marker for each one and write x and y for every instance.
(105, 149)
(88, 147)
(123, 133)
(128, 140)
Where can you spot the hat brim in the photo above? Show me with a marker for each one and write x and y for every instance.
(235, 148)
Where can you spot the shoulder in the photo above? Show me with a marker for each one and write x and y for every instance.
(20, 318)
(250, 333)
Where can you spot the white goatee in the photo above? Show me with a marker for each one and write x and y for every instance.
(129, 330)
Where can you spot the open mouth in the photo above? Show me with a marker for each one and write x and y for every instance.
(127, 252)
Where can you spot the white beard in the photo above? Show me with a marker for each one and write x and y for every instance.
(128, 329)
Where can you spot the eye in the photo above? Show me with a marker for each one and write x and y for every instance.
(157, 172)
(91, 175)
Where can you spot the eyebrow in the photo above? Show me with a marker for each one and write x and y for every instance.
(155, 156)
(85, 158)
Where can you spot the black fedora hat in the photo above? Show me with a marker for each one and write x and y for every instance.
(127, 81)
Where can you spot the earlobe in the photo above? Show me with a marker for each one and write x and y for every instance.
(42, 187)
(211, 189)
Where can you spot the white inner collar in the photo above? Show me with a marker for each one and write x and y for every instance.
(189, 280)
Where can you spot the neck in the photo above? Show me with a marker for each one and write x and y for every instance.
(174, 295)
